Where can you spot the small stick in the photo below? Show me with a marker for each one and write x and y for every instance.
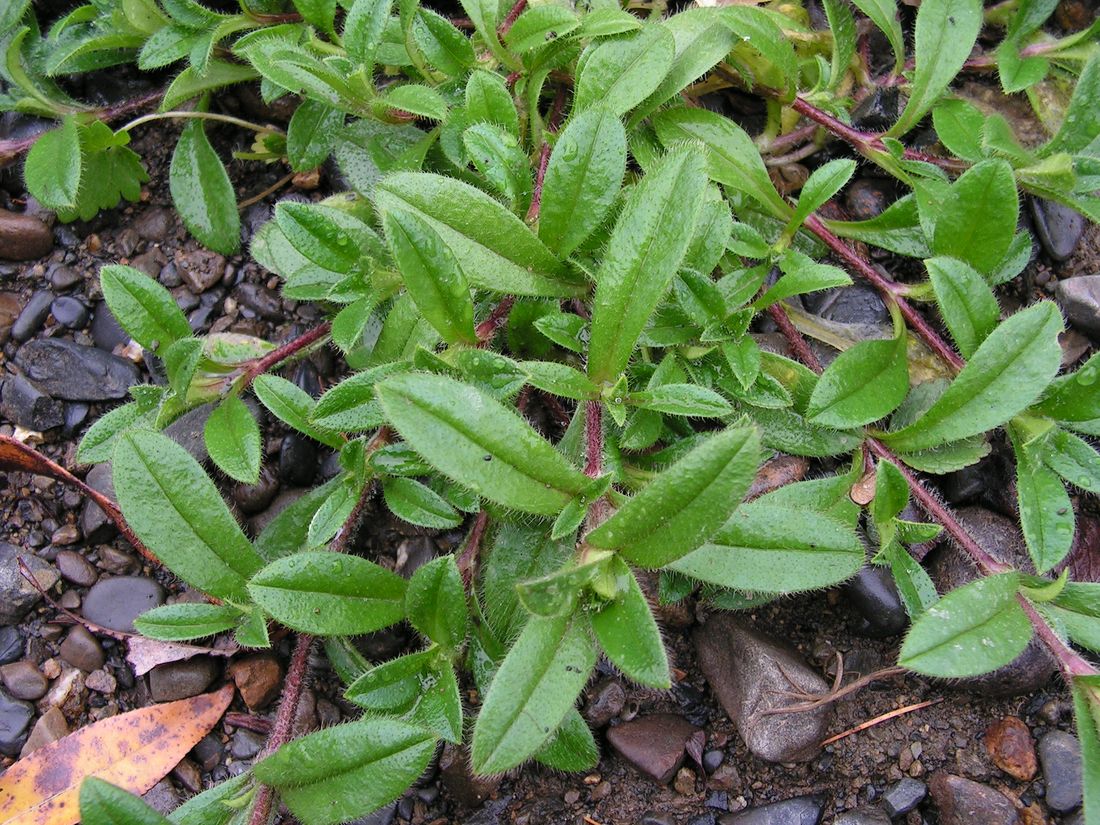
(275, 187)
(25, 570)
(835, 694)
(878, 720)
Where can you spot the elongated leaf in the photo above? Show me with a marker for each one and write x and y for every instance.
(329, 593)
(174, 508)
(573, 748)
(582, 180)
(1073, 398)
(182, 622)
(842, 25)
(970, 631)
(445, 47)
(328, 237)
(825, 182)
(292, 405)
(132, 750)
(53, 166)
(417, 503)
(478, 442)
(144, 308)
(682, 399)
(232, 439)
(347, 771)
(966, 302)
(865, 383)
(494, 248)
(311, 134)
(436, 602)
(202, 192)
(1081, 124)
(1046, 513)
(102, 803)
(363, 28)
(776, 549)
(559, 379)
(1074, 459)
(622, 72)
(1008, 372)
(628, 634)
(945, 34)
(98, 442)
(685, 504)
(538, 26)
(432, 276)
(977, 221)
(646, 247)
(758, 30)
(534, 688)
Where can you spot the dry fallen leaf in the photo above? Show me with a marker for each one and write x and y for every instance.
(134, 750)
(145, 654)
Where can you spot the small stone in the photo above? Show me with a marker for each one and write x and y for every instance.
(11, 644)
(208, 752)
(262, 301)
(17, 596)
(114, 603)
(1079, 299)
(187, 773)
(802, 810)
(34, 314)
(23, 237)
(862, 816)
(902, 797)
(101, 682)
(572, 796)
(153, 224)
(1060, 755)
(24, 681)
(875, 597)
(1009, 744)
(258, 678)
(297, 460)
(712, 760)
(653, 744)
(684, 784)
(187, 431)
(200, 269)
(50, 727)
(63, 277)
(82, 650)
(106, 332)
(73, 372)
(69, 312)
(1059, 228)
(117, 562)
(747, 672)
(964, 802)
(22, 403)
(162, 797)
(76, 569)
(182, 680)
(254, 498)
(65, 535)
(867, 198)
(606, 701)
(245, 744)
(94, 523)
(15, 718)
(412, 554)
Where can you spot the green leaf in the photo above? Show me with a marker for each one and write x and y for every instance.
(329, 237)
(494, 248)
(415, 503)
(98, 442)
(1074, 459)
(498, 156)
(180, 622)
(891, 495)
(1046, 513)
(842, 25)
(627, 632)
(363, 29)
(232, 438)
(622, 72)
(475, 440)
(535, 687)
(681, 399)
(445, 47)
(288, 532)
(329, 593)
(1086, 711)
(102, 803)
(826, 181)
(416, 99)
(538, 26)
(53, 166)
(1007, 373)
(915, 587)
(945, 34)
(1073, 398)
(572, 748)
(684, 505)
(489, 101)
(731, 157)
(293, 406)
(350, 406)
(436, 602)
(645, 250)
(213, 806)
(311, 134)
(1081, 123)
(776, 548)
(582, 179)
(439, 708)
(432, 276)
(142, 307)
(972, 630)
(959, 126)
(559, 379)
(333, 512)
(563, 328)
(977, 221)
(801, 274)
(865, 383)
(759, 32)
(966, 302)
(347, 771)
(392, 687)
(174, 508)
(202, 192)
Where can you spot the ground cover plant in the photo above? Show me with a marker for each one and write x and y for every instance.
(545, 216)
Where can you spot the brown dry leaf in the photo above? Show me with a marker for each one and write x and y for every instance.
(134, 750)
(145, 654)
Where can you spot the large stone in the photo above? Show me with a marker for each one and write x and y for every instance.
(17, 596)
(114, 603)
(964, 802)
(22, 403)
(76, 373)
(802, 810)
(1079, 298)
(1059, 228)
(951, 568)
(1060, 755)
(23, 237)
(653, 744)
(15, 718)
(749, 672)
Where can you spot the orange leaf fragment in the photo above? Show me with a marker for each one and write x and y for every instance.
(133, 750)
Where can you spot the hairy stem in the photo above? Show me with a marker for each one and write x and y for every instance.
(799, 346)
(510, 18)
(467, 559)
(487, 329)
(544, 155)
(281, 353)
(214, 116)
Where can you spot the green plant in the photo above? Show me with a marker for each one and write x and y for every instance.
(552, 175)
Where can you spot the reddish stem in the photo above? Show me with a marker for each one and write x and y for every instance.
(467, 559)
(798, 344)
(496, 319)
(261, 365)
(1071, 663)
(593, 438)
(889, 290)
(544, 155)
(510, 18)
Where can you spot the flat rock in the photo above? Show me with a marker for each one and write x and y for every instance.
(15, 718)
(1060, 755)
(182, 680)
(653, 744)
(746, 669)
(17, 596)
(50, 727)
(115, 603)
(903, 796)
(1009, 744)
(951, 568)
(802, 810)
(23, 237)
(964, 802)
(22, 403)
(1079, 299)
(76, 373)
(1059, 228)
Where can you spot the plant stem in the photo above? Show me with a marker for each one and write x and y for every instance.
(284, 721)
(261, 365)
(214, 116)
(487, 329)
(510, 18)
(467, 559)
(798, 343)
(889, 291)
(275, 187)
(593, 438)
(544, 155)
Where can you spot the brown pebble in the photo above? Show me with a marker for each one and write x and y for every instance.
(23, 237)
(82, 650)
(75, 568)
(50, 727)
(684, 782)
(23, 680)
(258, 678)
(101, 682)
(1009, 744)
(65, 534)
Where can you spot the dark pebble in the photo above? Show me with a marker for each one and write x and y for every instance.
(63, 277)
(24, 681)
(1059, 227)
(867, 198)
(1060, 756)
(261, 301)
(653, 744)
(875, 597)
(69, 312)
(75, 568)
(902, 797)
(11, 644)
(68, 370)
(15, 718)
(297, 460)
(255, 498)
(245, 744)
(106, 332)
(94, 523)
(655, 818)
(962, 801)
(208, 752)
(187, 431)
(33, 316)
(115, 603)
(712, 760)
(862, 816)
(182, 680)
(802, 810)
(22, 403)
(76, 412)
(153, 224)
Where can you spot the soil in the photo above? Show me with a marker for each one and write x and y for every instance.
(945, 735)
